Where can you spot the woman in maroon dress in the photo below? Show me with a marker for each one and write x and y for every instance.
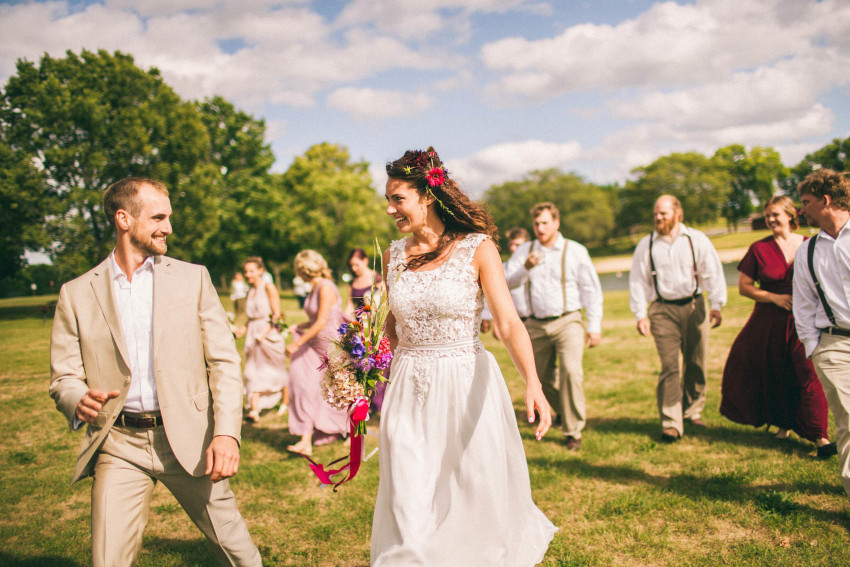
(768, 378)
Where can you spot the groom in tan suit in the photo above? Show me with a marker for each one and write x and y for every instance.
(142, 352)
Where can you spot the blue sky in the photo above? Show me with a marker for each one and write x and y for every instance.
(499, 87)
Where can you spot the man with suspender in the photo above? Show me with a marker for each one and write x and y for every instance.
(560, 280)
(821, 300)
(672, 267)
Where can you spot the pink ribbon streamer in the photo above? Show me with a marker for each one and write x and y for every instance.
(357, 412)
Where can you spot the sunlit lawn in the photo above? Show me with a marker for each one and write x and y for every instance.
(729, 495)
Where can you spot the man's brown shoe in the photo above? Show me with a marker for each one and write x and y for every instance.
(670, 435)
(572, 443)
(697, 422)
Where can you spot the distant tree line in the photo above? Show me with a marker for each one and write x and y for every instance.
(71, 126)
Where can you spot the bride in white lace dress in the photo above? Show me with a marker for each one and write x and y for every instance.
(454, 486)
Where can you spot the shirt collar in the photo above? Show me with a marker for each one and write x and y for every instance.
(559, 243)
(683, 230)
(118, 273)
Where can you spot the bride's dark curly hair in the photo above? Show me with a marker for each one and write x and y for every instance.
(460, 215)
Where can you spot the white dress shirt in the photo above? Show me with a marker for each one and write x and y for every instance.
(832, 267)
(544, 279)
(674, 265)
(134, 303)
(519, 294)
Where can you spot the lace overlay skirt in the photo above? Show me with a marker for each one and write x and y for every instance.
(454, 486)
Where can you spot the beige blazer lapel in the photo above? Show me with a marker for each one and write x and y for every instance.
(162, 292)
(102, 286)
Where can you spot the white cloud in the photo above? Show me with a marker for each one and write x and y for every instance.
(289, 53)
(669, 44)
(506, 162)
(370, 104)
(149, 8)
(767, 95)
(419, 19)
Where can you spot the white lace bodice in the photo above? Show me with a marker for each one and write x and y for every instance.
(436, 306)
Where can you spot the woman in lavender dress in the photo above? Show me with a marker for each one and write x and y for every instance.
(310, 416)
(265, 362)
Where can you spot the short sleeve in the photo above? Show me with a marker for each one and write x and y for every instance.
(749, 263)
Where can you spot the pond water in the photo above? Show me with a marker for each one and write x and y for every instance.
(620, 280)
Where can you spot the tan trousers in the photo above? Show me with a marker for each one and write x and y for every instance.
(128, 466)
(563, 338)
(680, 328)
(831, 359)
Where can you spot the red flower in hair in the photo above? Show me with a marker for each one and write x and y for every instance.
(435, 177)
(417, 158)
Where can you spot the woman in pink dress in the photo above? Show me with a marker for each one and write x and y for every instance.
(309, 415)
(767, 378)
(265, 361)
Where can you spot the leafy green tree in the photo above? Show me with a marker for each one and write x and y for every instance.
(753, 176)
(700, 183)
(24, 201)
(326, 202)
(88, 120)
(587, 212)
(238, 149)
(237, 140)
(835, 156)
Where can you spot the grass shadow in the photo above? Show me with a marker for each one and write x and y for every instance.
(731, 487)
(42, 561)
(183, 552)
(275, 439)
(43, 311)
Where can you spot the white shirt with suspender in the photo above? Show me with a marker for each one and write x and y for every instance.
(564, 281)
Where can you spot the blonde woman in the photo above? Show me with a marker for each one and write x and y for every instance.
(309, 415)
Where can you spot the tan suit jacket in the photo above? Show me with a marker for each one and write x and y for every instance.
(196, 364)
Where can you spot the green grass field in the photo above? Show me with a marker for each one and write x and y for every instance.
(728, 495)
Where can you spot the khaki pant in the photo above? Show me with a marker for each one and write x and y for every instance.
(563, 337)
(128, 466)
(680, 328)
(831, 359)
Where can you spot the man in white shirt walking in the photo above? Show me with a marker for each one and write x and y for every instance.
(821, 300)
(516, 237)
(560, 280)
(671, 268)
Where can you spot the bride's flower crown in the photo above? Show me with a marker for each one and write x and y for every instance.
(435, 173)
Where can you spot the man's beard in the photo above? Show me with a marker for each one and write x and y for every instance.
(148, 246)
(810, 221)
(665, 227)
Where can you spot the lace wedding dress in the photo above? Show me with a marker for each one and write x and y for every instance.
(454, 487)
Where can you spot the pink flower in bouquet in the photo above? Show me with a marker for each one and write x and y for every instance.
(384, 356)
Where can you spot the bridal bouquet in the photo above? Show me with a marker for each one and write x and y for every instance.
(356, 361)
(354, 366)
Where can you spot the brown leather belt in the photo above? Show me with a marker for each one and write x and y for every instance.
(837, 331)
(552, 318)
(682, 301)
(137, 421)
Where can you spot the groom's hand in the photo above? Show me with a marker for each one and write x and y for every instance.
(92, 402)
(222, 458)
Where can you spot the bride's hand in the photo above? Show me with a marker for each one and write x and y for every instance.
(535, 400)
